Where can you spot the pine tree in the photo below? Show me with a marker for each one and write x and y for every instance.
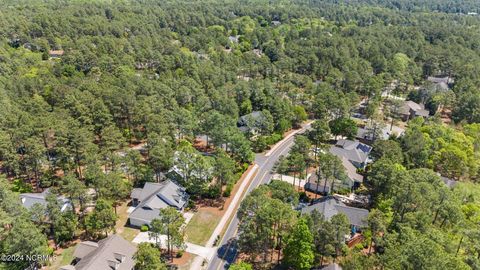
(299, 249)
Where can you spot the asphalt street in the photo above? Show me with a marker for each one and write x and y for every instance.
(227, 250)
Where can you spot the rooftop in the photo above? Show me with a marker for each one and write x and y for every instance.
(331, 206)
(155, 196)
(354, 151)
(113, 252)
(30, 199)
(418, 109)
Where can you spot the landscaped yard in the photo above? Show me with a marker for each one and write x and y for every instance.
(126, 232)
(63, 259)
(202, 225)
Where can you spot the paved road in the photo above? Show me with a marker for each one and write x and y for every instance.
(227, 250)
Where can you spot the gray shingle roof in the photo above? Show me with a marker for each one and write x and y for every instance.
(437, 80)
(30, 199)
(155, 196)
(351, 170)
(331, 206)
(322, 188)
(314, 187)
(136, 193)
(113, 250)
(354, 151)
(418, 109)
(255, 115)
(84, 248)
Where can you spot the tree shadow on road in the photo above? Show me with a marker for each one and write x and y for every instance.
(228, 252)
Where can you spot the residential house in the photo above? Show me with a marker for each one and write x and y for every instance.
(354, 151)
(276, 23)
(155, 196)
(55, 53)
(372, 133)
(331, 206)
(234, 39)
(321, 187)
(411, 109)
(251, 122)
(113, 252)
(30, 199)
(31, 46)
(441, 83)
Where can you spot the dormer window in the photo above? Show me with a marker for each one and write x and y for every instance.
(113, 264)
(119, 257)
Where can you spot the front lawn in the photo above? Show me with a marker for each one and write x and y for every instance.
(202, 225)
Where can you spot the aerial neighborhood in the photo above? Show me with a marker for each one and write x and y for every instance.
(241, 135)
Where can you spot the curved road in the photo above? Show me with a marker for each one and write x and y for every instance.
(227, 250)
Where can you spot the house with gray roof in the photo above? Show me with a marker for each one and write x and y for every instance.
(30, 199)
(321, 187)
(441, 83)
(113, 252)
(369, 133)
(276, 23)
(331, 206)
(251, 122)
(155, 196)
(411, 109)
(354, 151)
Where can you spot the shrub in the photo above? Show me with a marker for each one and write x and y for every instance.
(260, 144)
(180, 253)
(191, 204)
(144, 228)
(274, 138)
(228, 190)
(212, 192)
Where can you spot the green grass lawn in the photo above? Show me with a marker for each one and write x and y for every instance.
(63, 259)
(126, 232)
(129, 233)
(201, 226)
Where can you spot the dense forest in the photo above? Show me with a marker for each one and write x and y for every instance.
(158, 74)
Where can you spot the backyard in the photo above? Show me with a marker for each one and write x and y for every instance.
(120, 228)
